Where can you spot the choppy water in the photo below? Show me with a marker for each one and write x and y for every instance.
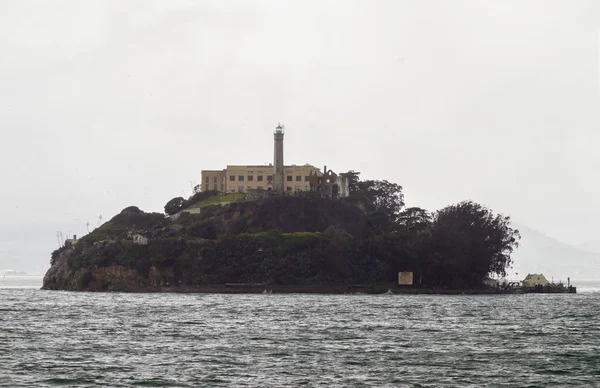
(122, 340)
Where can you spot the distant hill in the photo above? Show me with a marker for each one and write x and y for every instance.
(590, 246)
(541, 253)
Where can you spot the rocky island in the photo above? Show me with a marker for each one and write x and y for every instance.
(214, 242)
(259, 228)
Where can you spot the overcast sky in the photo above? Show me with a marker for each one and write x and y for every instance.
(108, 104)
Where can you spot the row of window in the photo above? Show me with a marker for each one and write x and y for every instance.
(259, 178)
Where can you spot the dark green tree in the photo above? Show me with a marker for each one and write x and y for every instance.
(383, 196)
(465, 243)
(174, 206)
(414, 219)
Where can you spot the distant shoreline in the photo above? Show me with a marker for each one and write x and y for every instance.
(21, 275)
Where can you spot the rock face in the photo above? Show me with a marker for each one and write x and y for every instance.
(59, 275)
(113, 278)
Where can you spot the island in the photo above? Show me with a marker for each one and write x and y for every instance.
(305, 242)
(290, 228)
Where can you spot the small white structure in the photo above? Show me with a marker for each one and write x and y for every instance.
(535, 279)
(139, 239)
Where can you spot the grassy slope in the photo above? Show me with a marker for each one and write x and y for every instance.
(220, 200)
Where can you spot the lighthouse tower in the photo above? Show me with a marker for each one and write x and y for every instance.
(278, 182)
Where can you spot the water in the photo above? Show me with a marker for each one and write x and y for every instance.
(127, 340)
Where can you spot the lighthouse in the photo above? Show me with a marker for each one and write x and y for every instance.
(278, 182)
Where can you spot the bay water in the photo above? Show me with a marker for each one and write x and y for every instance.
(50, 338)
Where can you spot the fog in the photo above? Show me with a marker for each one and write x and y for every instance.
(109, 104)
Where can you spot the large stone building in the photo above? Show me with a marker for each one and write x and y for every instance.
(275, 177)
(235, 179)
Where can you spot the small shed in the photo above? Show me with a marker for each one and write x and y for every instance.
(535, 279)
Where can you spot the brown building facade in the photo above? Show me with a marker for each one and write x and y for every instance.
(257, 177)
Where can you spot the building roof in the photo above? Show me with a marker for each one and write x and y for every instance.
(531, 275)
(270, 165)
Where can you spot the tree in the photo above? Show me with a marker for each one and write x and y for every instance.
(382, 196)
(353, 180)
(414, 219)
(466, 243)
(174, 205)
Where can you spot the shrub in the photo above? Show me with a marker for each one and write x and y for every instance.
(56, 254)
(128, 219)
(204, 229)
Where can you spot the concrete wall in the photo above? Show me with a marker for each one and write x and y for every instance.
(194, 210)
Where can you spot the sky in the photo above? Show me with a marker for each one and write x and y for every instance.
(104, 105)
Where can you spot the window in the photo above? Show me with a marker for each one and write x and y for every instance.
(232, 178)
(289, 178)
(270, 178)
(207, 179)
(215, 180)
(250, 178)
(259, 178)
(241, 178)
(307, 178)
(289, 188)
(215, 187)
(298, 178)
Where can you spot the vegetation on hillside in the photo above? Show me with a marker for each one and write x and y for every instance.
(366, 238)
